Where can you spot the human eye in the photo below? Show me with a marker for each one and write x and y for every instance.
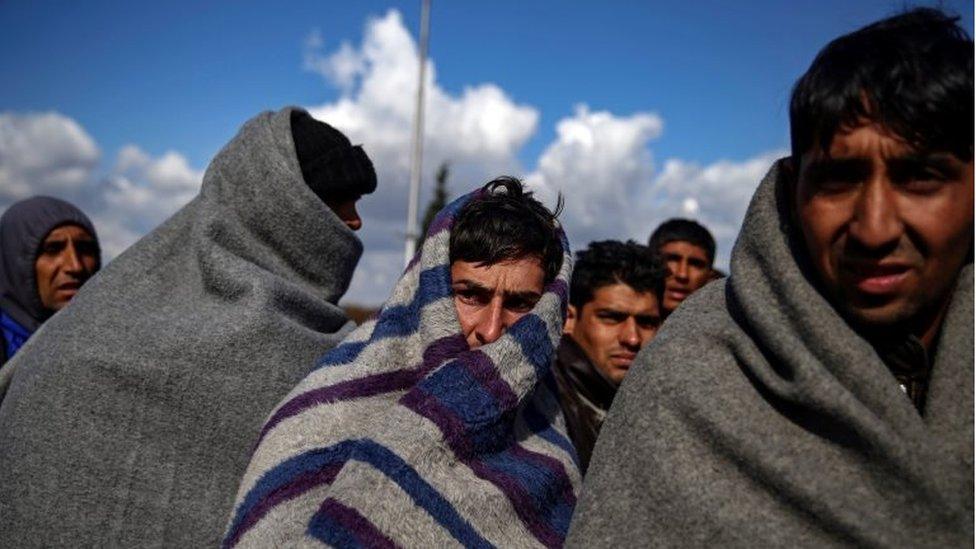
(469, 296)
(520, 304)
(838, 175)
(611, 317)
(53, 247)
(647, 322)
(86, 247)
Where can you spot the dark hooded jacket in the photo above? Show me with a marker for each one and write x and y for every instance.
(23, 228)
(130, 415)
(759, 418)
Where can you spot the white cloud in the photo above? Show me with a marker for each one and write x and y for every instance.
(600, 161)
(603, 166)
(52, 154)
(479, 131)
(45, 153)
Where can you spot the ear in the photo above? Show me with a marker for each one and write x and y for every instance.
(570, 323)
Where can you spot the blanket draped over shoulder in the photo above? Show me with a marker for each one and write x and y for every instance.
(404, 436)
(758, 417)
(130, 415)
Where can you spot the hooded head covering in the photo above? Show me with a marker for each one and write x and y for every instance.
(130, 415)
(402, 436)
(759, 417)
(23, 227)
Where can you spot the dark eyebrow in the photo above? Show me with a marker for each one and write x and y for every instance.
(527, 295)
(943, 162)
(471, 285)
(838, 169)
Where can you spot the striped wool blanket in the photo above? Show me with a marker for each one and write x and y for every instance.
(402, 436)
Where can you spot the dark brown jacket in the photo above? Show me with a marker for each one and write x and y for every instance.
(584, 395)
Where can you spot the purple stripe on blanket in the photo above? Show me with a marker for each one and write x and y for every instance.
(457, 437)
(547, 462)
(521, 501)
(296, 487)
(346, 523)
(434, 355)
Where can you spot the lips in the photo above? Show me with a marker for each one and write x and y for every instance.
(623, 359)
(68, 287)
(677, 294)
(878, 279)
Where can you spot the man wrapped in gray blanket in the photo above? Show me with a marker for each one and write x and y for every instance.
(823, 394)
(131, 414)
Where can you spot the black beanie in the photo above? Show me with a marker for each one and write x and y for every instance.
(331, 166)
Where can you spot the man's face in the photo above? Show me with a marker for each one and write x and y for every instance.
(613, 326)
(688, 270)
(346, 210)
(68, 256)
(490, 298)
(887, 227)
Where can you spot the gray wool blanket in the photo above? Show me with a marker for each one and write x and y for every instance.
(402, 436)
(758, 417)
(131, 414)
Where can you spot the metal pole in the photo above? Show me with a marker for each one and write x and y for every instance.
(418, 140)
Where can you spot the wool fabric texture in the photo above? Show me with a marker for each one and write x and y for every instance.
(131, 414)
(23, 227)
(759, 417)
(402, 436)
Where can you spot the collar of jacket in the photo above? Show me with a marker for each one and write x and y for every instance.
(585, 378)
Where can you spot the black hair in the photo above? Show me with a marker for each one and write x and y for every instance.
(911, 73)
(507, 223)
(610, 262)
(685, 230)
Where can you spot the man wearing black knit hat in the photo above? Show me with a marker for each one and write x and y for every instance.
(165, 367)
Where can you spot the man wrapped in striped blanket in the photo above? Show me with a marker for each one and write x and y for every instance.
(405, 435)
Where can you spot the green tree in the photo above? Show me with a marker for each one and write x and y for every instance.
(437, 202)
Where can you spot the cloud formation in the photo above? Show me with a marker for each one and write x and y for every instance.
(43, 153)
(51, 154)
(601, 162)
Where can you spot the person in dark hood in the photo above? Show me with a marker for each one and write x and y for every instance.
(48, 249)
(822, 394)
(615, 309)
(129, 418)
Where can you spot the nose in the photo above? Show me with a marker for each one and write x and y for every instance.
(353, 221)
(491, 325)
(681, 269)
(629, 335)
(876, 223)
(70, 261)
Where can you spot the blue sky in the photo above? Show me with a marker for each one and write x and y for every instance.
(682, 98)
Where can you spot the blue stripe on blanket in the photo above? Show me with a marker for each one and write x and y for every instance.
(460, 392)
(532, 335)
(396, 469)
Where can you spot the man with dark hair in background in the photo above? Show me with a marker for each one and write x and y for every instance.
(614, 310)
(822, 394)
(130, 416)
(688, 250)
(434, 425)
(48, 250)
